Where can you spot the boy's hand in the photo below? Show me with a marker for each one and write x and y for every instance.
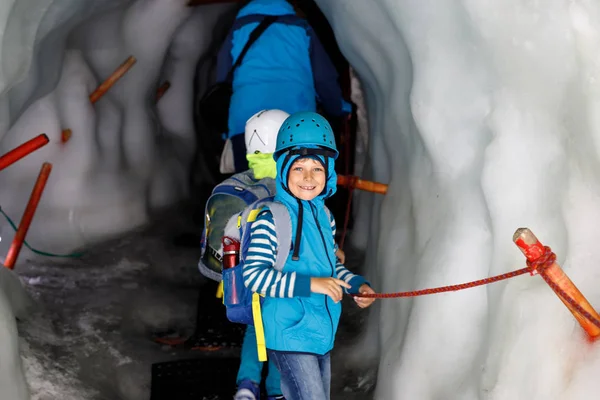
(331, 287)
(341, 255)
(364, 302)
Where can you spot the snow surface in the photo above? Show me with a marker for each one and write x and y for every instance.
(482, 118)
(89, 338)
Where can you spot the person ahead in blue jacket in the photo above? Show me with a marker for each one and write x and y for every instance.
(302, 305)
(287, 68)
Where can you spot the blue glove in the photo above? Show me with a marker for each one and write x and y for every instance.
(346, 107)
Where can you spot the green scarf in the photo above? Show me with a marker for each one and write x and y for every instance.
(263, 165)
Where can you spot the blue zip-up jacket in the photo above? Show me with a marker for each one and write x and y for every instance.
(294, 318)
(287, 68)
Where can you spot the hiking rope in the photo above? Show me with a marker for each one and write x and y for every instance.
(442, 289)
(41, 253)
(533, 267)
(538, 266)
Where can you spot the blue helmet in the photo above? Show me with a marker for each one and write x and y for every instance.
(305, 130)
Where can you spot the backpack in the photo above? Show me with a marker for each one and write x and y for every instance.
(228, 198)
(236, 296)
(242, 305)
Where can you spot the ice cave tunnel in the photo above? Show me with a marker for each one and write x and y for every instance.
(479, 115)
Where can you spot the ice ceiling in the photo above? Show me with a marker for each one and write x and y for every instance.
(484, 117)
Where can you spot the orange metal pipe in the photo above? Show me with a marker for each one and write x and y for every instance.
(369, 186)
(21, 151)
(34, 199)
(102, 89)
(162, 89)
(112, 79)
(65, 135)
(533, 250)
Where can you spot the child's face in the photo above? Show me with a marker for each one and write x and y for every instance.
(307, 178)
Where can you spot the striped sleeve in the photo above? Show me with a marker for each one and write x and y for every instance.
(333, 230)
(356, 281)
(259, 273)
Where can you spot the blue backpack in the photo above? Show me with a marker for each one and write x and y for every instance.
(228, 198)
(244, 306)
(236, 296)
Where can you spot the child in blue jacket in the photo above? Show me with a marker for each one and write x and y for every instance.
(302, 307)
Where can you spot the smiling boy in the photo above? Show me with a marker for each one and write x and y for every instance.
(302, 307)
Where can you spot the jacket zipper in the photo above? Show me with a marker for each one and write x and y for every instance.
(329, 261)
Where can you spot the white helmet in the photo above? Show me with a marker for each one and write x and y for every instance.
(262, 129)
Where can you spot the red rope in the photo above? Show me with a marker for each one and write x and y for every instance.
(532, 267)
(442, 289)
(538, 266)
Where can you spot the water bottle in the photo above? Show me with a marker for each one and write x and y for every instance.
(231, 252)
(231, 258)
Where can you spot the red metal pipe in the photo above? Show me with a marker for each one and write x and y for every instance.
(34, 199)
(26, 148)
(162, 90)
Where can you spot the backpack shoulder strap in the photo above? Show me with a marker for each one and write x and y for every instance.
(281, 220)
(283, 227)
(254, 35)
(240, 221)
(328, 212)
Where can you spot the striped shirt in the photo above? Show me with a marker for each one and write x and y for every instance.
(259, 274)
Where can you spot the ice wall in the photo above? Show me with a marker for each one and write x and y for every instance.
(128, 154)
(483, 118)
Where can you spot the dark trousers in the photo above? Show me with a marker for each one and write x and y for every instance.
(239, 153)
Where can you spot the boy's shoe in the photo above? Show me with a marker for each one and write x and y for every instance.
(247, 390)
